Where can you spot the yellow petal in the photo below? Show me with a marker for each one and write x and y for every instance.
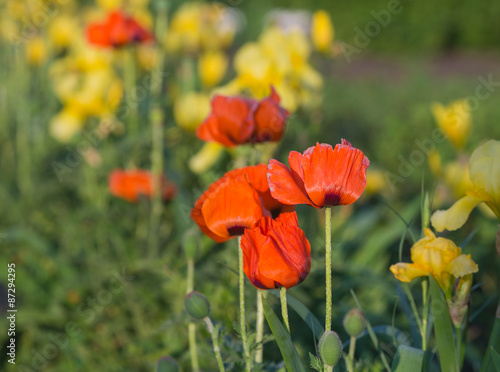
(461, 266)
(485, 170)
(206, 157)
(407, 272)
(455, 217)
(322, 31)
(433, 254)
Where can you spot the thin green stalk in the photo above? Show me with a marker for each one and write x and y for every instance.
(458, 341)
(156, 119)
(214, 332)
(413, 305)
(352, 349)
(243, 331)
(425, 314)
(130, 85)
(190, 275)
(193, 351)
(328, 267)
(284, 308)
(259, 329)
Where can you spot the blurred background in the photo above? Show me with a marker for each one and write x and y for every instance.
(100, 281)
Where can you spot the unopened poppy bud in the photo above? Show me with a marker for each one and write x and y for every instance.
(354, 322)
(197, 305)
(190, 243)
(167, 364)
(330, 348)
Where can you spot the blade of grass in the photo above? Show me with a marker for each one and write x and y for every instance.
(408, 359)
(443, 329)
(288, 351)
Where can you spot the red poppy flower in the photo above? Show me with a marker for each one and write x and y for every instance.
(320, 177)
(276, 253)
(116, 31)
(235, 202)
(237, 120)
(130, 185)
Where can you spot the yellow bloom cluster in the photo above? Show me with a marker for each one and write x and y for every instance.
(199, 26)
(280, 59)
(438, 257)
(87, 86)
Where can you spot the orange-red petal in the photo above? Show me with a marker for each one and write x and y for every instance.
(283, 186)
(230, 123)
(334, 176)
(276, 253)
(232, 207)
(270, 119)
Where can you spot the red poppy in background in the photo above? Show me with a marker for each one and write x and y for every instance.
(320, 177)
(116, 31)
(237, 120)
(235, 202)
(276, 253)
(130, 185)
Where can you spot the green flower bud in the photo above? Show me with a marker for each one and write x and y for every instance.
(190, 243)
(197, 305)
(330, 348)
(167, 364)
(354, 322)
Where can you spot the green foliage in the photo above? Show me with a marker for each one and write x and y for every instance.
(408, 359)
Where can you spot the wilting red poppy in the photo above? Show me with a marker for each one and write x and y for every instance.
(276, 253)
(237, 120)
(320, 177)
(235, 202)
(130, 185)
(116, 31)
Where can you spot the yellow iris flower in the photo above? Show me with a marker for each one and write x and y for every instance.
(438, 257)
(322, 31)
(484, 172)
(454, 120)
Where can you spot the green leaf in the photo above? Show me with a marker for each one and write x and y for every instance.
(282, 337)
(306, 316)
(408, 359)
(316, 363)
(443, 329)
(496, 359)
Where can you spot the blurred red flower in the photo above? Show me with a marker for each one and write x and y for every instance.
(320, 177)
(235, 202)
(116, 31)
(276, 253)
(130, 185)
(237, 120)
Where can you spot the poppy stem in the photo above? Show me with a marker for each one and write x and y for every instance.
(328, 267)
(130, 81)
(156, 119)
(214, 332)
(259, 329)
(242, 307)
(350, 358)
(193, 351)
(284, 308)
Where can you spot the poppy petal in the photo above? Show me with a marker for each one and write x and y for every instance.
(283, 186)
(230, 122)
(270, 119)
(334, 176)
(231, 208)
(97, 34)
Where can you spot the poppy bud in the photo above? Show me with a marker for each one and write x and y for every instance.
(354, 322)
(330, 348)
(167, 364)
(197, 305)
